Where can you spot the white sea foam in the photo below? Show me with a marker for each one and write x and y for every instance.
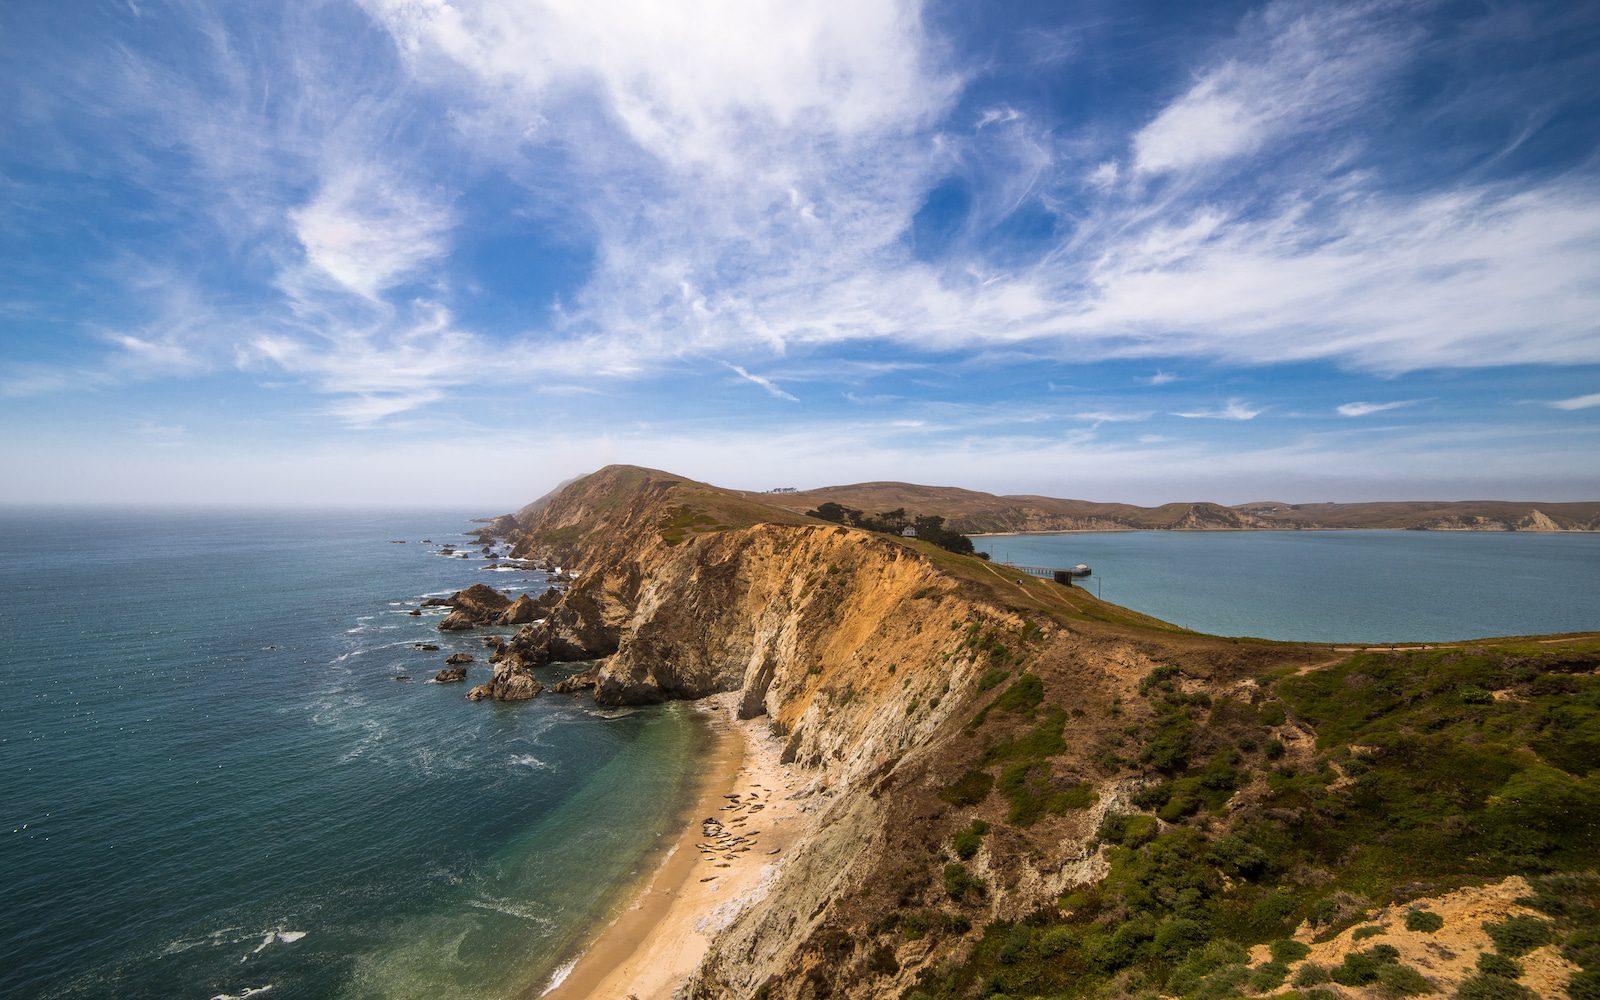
(510, 909)
(249, 991)
(560, 976)
(529, 760)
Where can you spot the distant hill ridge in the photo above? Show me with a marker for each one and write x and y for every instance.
(975, 512)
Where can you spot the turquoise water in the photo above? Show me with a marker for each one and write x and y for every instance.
(212, 784)
(1336, 586)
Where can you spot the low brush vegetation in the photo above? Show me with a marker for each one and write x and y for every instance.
(1416, 786)
(895, 522)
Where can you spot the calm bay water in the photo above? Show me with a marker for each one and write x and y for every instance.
(1336, 586)
(213, 785)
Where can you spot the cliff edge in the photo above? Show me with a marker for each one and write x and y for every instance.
(1013, 788)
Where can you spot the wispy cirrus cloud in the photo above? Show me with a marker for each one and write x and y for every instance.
(1360, 409)
(1234, 409)
(772, 388)
(1292, 67)
(1584, 402)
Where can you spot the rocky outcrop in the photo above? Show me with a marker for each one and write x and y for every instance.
(450, 675)
(584, 681)
(525, 609)
(507, 685)
(457, 658)
(478, 605)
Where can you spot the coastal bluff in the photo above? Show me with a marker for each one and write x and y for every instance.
(1010, 787)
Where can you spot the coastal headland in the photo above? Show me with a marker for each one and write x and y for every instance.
(982, 783)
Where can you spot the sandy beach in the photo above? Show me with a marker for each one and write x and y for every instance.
(721, 861)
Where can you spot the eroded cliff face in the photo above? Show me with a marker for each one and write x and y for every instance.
(862, 654)
(973, 751)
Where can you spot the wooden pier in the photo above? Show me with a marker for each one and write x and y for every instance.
(1061, 576)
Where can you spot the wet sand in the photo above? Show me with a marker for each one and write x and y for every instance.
(712, 870)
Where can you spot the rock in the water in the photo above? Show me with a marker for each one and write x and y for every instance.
(494, 641)
(458, 658)
(426, 647)
(477, 605)
(449, 675)
(402, 677)
(507, 684)
(577, 682)
(436, 602)
(415, 612)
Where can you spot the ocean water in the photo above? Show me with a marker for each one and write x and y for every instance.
(1335, 586)
(212, 786)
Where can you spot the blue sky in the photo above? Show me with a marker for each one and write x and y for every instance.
(419, 251)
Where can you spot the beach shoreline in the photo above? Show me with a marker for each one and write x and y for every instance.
(704, 879)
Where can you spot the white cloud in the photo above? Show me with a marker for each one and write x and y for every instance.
(1112, 416)
(700, 84)
(1578, 402)
(997, 116)
(369, 231)
(1236, 409)
(1296, 66)
(1366, 409)
(1159, 378)
(772, 388)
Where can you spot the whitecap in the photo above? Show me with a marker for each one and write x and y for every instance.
(529, 760)
(249, 991)
(560, 976)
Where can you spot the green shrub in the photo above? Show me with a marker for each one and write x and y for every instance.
(1268, 977)
(1361, 967)
(1491, 964)
(1423, 921)
(1238, 857)
(1223, 984)
(1024, 695)
(970, 789)
(1362, 933)
(1403, 980)
(991, 678)
(1310, 974)
(1471, 694)
(1288, 950)
(1054, 941)
(1584, 985)
(958, 881)
(966, 842)
(1562, 895)
(1203, 961)
(1017, 945)
(1516, 936)
(1179, 936)
(1493, 988)
(914, 925)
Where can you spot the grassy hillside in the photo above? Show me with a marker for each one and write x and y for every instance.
(972, 511)
(1348, 802)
